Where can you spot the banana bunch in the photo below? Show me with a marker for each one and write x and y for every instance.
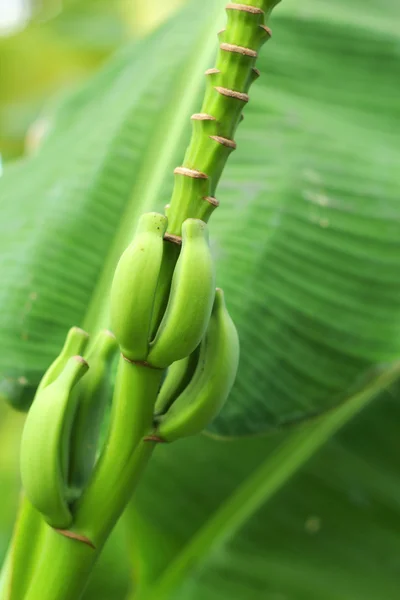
(196, 387)
(59, 440)
(165, 313)
(137, 282)
(195, 337)
(75, 343)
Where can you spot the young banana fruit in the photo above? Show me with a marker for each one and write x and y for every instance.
(45, 445)
(202, 399)
(134, 287)
(139, 282)
(190, 301)
(92, 395)
(178, 377)
(74, 345)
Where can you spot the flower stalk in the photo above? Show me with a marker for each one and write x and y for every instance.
(159, 320)
(214, 127)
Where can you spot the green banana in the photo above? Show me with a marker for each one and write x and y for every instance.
(190, 301)
(45, 445)
(170, 257)
(75, 343)
(92, 392)
(178, 376)
(212, 381)
(134, 287)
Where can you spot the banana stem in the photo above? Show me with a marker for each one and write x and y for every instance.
(5, 577)
(132, 418)
(23, 553)
(63, 561)
(214, 126)
(67, 558)
(66, 563)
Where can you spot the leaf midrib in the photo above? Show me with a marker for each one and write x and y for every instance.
(267, 480)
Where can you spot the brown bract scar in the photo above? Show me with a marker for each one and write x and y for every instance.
(154, 438)
(202, 117)
(190, 173)
(267, 30)
(224, 141)
(232, 94)
(238, 50)
(140, 363)
(81, 360)
(80, 330)
(109, 333)
(256, 72)
(245, 8)
(211, 200)
(75, 536)
(213, 71)
(175, 239)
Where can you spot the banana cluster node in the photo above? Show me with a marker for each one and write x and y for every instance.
(166, 316)
(195, 338)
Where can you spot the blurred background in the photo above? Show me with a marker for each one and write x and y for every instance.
(48, 47)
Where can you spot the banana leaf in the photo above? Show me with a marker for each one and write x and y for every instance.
(307, 235)
(307, 244)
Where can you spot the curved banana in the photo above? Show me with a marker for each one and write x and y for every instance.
(93, 392)
(134, 287)
(213, 379)
(190, 301)
(45, 445)
(75, 344)
(178, 377)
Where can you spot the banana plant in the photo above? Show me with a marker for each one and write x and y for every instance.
(299, 243)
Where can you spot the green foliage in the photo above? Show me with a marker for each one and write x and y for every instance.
(330, 534)
(59, 48)
(307, 243)
(306, 234)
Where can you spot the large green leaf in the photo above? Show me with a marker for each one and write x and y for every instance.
(307, 236)
(201, 526)
(307, 244)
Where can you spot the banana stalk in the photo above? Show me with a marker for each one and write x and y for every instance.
(108, 490)
(227, 93)
(163, 314)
